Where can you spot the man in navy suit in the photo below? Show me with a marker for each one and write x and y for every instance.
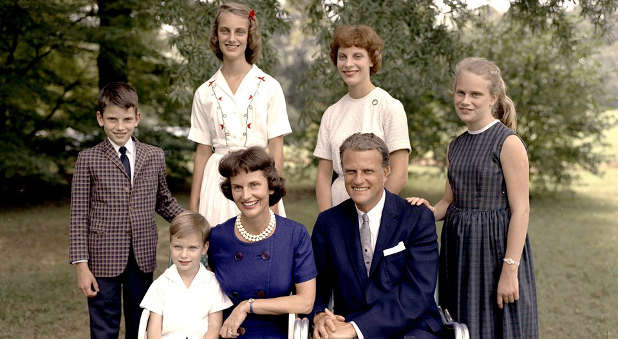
(375, 254)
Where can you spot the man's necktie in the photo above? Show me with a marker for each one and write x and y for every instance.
(125, 161)
(365, 235)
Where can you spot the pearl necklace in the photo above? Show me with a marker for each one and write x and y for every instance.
(256, 237)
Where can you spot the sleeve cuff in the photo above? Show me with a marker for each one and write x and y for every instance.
(397, 147)
(318, 153)
(359, 334)
(196, 135)
(279, 132)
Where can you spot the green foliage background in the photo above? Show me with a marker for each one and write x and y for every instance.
(544, 52)
(557, 88)
(192, 21)
(418, 55)
(49, 75)
(46, 84)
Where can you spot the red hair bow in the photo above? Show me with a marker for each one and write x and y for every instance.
(252, 15)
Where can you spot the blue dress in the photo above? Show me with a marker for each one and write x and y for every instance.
(474, 238)
(265, 269)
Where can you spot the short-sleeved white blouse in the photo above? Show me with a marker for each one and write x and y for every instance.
(232, 121)
(185, 309)
(377, 112)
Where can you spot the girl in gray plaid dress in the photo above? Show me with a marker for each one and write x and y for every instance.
(486, 274)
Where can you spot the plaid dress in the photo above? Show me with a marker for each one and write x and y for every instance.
(473, 242)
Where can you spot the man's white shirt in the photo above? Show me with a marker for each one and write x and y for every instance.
(130, 146)
(375, 215)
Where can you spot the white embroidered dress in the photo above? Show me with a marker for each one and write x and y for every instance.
(377, 112)
(233, 121)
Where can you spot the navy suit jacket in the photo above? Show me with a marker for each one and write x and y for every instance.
(398, 296)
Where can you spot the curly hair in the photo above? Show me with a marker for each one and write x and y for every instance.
(250, 160)
(361, 36)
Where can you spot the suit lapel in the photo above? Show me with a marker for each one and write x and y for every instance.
(111, 154)
(388, 228)
(140, 158)
(352, 240)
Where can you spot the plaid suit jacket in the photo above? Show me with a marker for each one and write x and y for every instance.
(107, 214)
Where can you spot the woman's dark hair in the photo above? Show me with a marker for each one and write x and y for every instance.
(250, 160)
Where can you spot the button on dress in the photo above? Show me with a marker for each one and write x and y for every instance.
(229, 122)
(268, 268)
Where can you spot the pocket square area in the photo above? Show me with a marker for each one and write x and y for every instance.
(396, 249)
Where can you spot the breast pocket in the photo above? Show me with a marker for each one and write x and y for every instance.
(395, 266)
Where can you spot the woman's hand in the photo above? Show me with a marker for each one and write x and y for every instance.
(417, 201)
(233, 322)
(508, 285)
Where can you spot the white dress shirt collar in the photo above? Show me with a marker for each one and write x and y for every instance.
(375, 215)
(130, 146)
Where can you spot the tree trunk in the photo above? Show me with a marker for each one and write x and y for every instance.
(115, 24)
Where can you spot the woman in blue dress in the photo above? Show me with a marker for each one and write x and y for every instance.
(486, 274)
(258, 257)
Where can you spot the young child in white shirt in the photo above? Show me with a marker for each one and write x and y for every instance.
(186, 300)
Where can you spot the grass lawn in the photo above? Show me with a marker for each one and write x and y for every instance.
(573, 234)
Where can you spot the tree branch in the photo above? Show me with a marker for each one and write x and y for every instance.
(59, 102)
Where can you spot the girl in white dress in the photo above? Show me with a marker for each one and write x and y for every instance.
(238, 107)
(357, 53)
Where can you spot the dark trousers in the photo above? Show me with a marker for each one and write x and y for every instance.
(105, 309)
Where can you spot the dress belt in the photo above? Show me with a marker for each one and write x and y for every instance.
(224, 151)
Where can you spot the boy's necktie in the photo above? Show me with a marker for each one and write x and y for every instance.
(125, 161)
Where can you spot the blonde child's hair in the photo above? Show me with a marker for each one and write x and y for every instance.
(504, 108)
(189, 222)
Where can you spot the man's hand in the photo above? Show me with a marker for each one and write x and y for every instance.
(86, 281)
(327, 323)
(344, 330)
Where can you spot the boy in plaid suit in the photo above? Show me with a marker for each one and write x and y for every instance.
(117, 187)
